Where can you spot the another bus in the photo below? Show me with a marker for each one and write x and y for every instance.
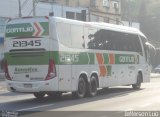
(50, 56)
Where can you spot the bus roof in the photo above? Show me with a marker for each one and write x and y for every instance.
(107, 26)
(28, 19)
(119, 28)
(103, 25)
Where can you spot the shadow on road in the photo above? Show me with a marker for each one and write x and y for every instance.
(8, 94)
(65, 101)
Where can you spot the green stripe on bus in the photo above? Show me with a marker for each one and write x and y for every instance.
(65, 58)
(75, 58)
(45, 26)
(106, 58)
(27, 59)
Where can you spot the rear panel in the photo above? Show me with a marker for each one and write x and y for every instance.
(27, 49)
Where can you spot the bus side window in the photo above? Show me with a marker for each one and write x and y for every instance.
(133, 43)
(90, 39)
(112, 40)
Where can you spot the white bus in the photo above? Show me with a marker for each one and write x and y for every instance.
(56, 55)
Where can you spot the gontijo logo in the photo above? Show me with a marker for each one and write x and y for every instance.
(126, 59)
(19, 30)
(36, 29)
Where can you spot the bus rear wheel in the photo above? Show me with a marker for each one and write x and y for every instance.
(92, 91)
(81, 92)
(137, 86)
(39, 95)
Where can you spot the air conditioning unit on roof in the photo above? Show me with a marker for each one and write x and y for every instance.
(106, 3)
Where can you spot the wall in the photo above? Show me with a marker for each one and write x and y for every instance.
(43, 9)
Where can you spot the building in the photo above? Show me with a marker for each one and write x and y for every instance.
(70, 9)
(105, 11)
(45, 8)
(97, 10)
(86, 10)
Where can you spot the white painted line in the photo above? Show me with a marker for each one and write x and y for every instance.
(25, 109)
(129, 109)
(148, 104)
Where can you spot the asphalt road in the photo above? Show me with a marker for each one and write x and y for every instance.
(114, 99)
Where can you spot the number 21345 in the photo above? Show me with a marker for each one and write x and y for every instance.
(27, 43)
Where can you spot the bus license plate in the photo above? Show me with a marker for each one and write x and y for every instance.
(27, 85)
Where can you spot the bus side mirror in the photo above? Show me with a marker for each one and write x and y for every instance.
(151, 48)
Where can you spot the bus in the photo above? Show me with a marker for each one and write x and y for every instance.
(52, 55)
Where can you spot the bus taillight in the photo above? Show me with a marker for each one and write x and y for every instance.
(51, 70)
(6, 71)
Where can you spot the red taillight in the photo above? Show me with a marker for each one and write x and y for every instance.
(6, 71)
(51, 70)
(46, 17)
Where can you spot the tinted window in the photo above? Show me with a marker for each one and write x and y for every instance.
(112, 40)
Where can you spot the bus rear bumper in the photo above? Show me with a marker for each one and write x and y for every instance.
(31, 87)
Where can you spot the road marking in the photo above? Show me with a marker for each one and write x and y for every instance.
(25, 109)
(148, 104)
(129, 109)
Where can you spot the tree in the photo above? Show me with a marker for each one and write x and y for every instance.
(149, 18)
(130, 9)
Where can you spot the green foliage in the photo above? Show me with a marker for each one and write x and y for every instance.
(153, 8)
(130, 9)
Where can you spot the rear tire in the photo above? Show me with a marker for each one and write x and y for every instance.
(92, 89)
(137, 86)
(39, 95)
(81, 92)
